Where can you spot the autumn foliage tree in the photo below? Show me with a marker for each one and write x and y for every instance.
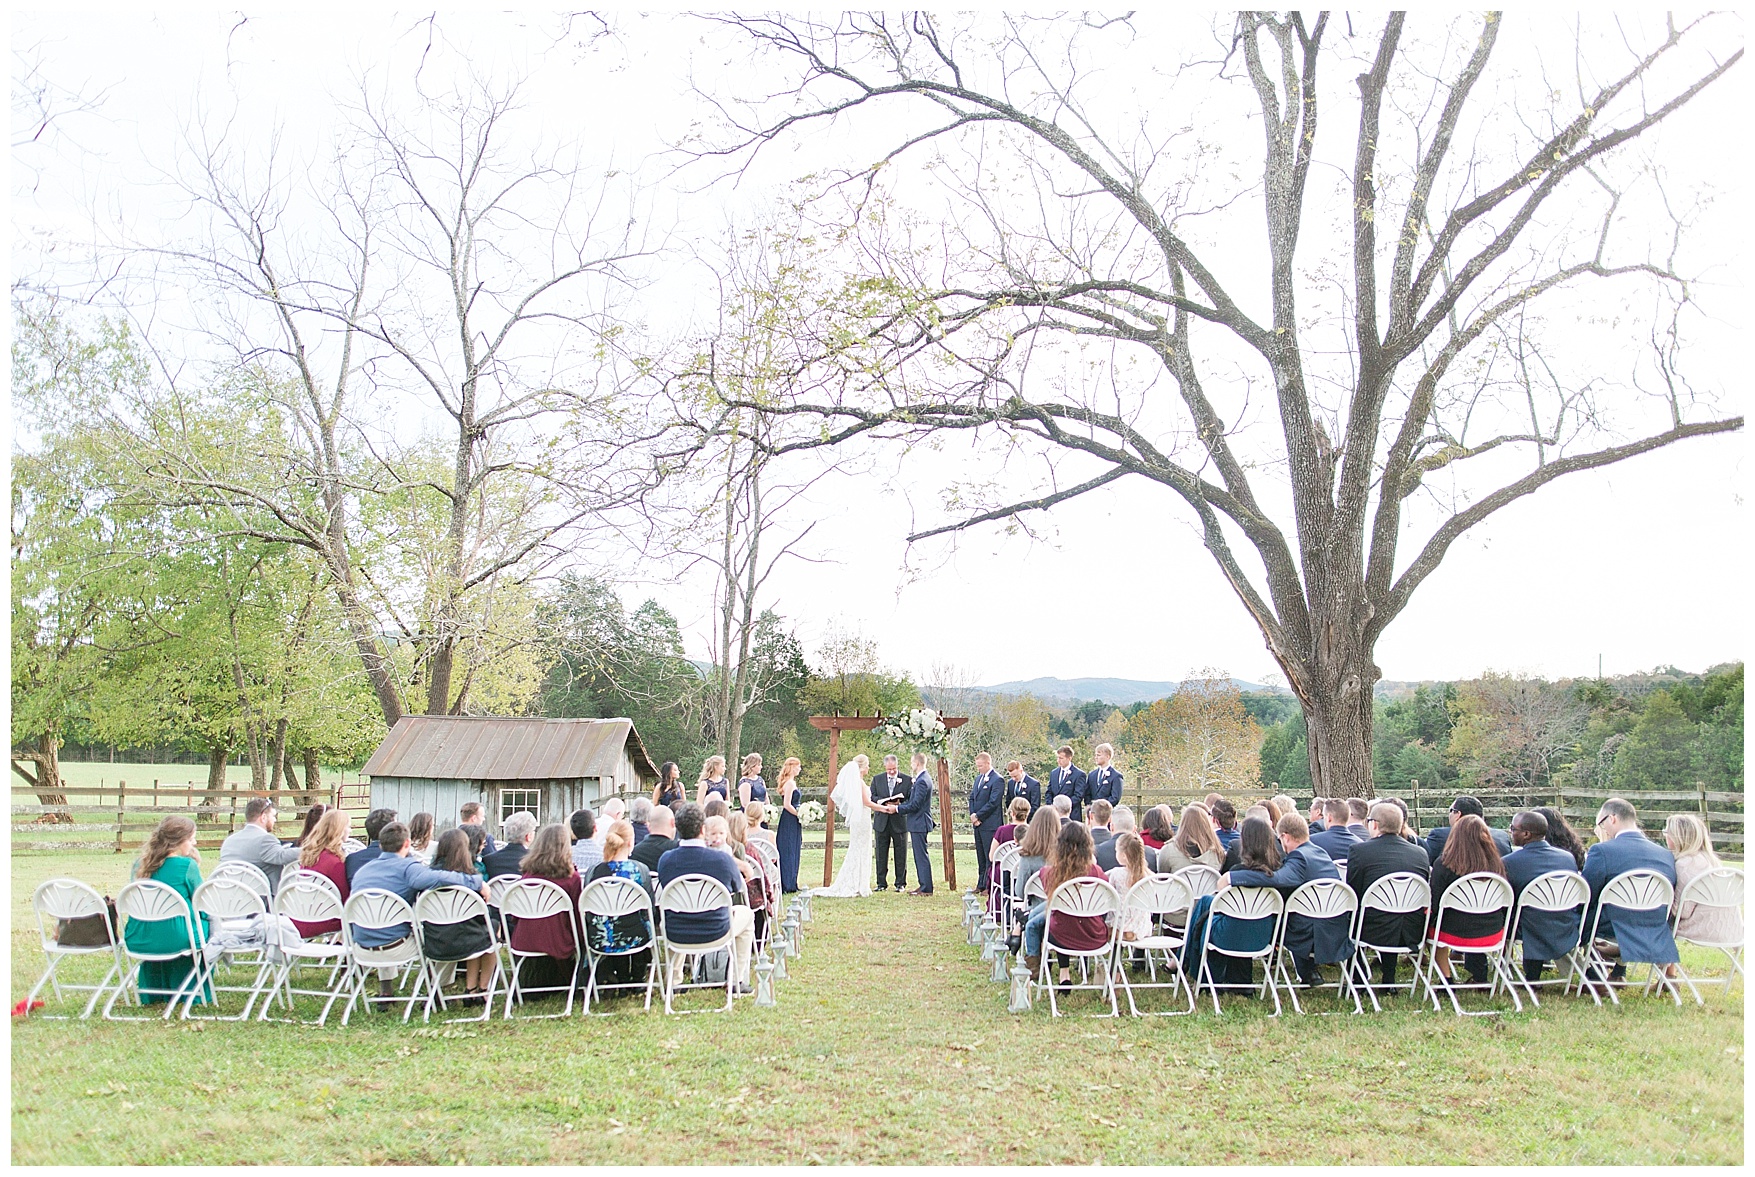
(1199, 740)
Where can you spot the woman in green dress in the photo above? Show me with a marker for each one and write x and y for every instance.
(169, 858)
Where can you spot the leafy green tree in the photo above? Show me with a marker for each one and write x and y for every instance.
(1277, 746)
(1659, 753)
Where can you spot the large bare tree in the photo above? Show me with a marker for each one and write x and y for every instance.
(1097, 274)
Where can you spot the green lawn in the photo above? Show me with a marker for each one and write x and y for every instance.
(889, 1046)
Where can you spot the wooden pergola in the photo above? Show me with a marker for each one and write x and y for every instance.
(835, 725)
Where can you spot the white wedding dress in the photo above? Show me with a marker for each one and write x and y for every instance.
(855, 876)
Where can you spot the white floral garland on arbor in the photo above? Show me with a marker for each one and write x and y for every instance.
(919, 729)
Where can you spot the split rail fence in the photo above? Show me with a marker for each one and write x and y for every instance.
(119, 816)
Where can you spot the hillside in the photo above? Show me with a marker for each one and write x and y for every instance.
(1120, 691)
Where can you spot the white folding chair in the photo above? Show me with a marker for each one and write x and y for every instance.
(247, 873)
(999, 885)
(609, 898)
(1201, 880)
(70, 899)
(1721, 888)
(289, 871)
(151, 900)
(375, 910)
(309, 898)
(768, 867)
(1082, 898)
(1157, 896)
(1319, 899)
(1401, 893)
(496, 888)
(229, 898)
(1556, 891)
(1634, 890)
(455, 905)
(693, 895)
(1242, 903)
(535, 899)
(1481, 893)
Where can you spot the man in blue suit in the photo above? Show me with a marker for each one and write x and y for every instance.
(1103, 783)
(1357, 814)
(1641, 936)
(986, 797)
(1021, 784)
(1068, 781)
(1546, 935)
(1335, 837)
(1310, 941)
(917, 809)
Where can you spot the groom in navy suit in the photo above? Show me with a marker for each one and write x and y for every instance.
(1067, 781)
(1103, 783)
(917, 809)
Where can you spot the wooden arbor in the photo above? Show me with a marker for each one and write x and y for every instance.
(835, 725)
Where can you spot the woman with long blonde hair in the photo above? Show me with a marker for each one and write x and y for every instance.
(750, 785)
(1690, 843)
(712, 782)
(789, 838)
(322, 854)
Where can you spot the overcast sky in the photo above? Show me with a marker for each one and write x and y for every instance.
(1640, 564)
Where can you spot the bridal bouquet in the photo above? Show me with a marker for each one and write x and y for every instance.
(921, 729)
(810, 813)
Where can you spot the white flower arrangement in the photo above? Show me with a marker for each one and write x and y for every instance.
(810, 813)
(920, 729)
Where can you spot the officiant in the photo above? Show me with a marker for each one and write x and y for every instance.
(890, 830)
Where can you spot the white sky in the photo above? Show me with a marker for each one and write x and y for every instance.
(1642, 563)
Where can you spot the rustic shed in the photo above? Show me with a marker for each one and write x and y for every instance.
(435, 763)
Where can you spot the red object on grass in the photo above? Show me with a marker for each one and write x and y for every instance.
(20, 1010)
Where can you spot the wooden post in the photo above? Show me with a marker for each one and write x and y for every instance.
(1705, 822)
(1417, 826)
(944, 809)
(829, 807)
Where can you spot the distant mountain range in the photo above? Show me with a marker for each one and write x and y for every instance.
(1109, 690)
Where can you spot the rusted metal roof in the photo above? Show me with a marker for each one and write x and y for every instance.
(488, 748)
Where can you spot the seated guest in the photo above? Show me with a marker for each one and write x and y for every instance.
(1074, 858)
(1034, 848)
(1130, 868)
(1156, 832)
(1284, 804)
(470, 942)
(1210, 800)
(638, 814)
(1464, 806)
(757, 814)
(1335, 838)
(399, 874)
(1687, 839)
(1256, 851)
(586, 851)
(311, 815)
(322, 853)
(478, 840)
(1357, 811)
(1468, 850)
(1097, 815)
(422, 839)
(1272, 807)
(509, 858)
(471, 815)
(1195, 843)
(614, 809)
(715, 806)
(1122, 822)
(693, 856)
(1225, 820)
(1063, 807)
(1643, 937)
(1017, 817)
(1311, 942)
(1562, 835)
(376, 820)
(1233, 852)
(1387, 852)
(1546, 935)
(755, 879)
(1408, 831)
(662, 824)
(169, 857)
(254, 843)
(623, 931)
(551, 858)
(1317, 816)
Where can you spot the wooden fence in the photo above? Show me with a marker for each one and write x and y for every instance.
(119, 816)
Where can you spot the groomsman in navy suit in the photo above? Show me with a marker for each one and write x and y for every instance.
(918, 810)
(1067, 781)
(986, 797)
(1103, 783)
(1021, 784)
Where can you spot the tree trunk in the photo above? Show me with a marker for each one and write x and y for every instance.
(277, 756)
(217, 757)
(47, 781)
(1337, 725)
(313, 778)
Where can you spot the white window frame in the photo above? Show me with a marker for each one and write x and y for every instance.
(535, 809)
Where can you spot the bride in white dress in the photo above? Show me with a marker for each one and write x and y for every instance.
(852, 798)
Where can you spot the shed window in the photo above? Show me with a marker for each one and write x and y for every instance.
(513, 800)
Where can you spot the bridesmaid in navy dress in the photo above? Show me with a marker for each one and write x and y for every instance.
(789, 838)
(669, 790)
(713, 782)
(751, 786)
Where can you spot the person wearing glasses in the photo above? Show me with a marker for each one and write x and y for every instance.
(1640, 936)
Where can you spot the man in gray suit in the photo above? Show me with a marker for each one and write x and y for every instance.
(256, 844)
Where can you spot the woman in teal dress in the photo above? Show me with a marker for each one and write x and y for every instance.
(169, 858)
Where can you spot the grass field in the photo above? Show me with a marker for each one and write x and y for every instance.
(888, 1046)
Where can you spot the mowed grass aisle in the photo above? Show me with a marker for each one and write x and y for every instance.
(889, 1046)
